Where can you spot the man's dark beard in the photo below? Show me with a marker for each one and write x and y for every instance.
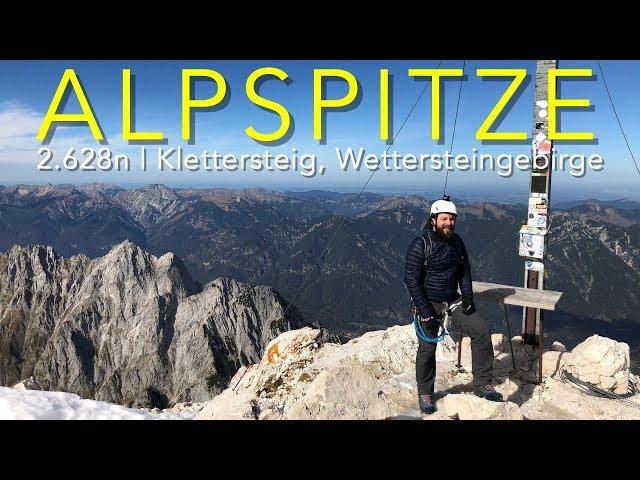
(442, 232)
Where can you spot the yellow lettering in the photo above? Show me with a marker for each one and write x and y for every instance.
(189, 103)
(384, 104)
(555, 102)
(518, 74)
(436, 74)
(127, 134)
(320, 103)
(52, 115)
(282, 112)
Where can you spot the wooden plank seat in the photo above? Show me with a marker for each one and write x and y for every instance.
(524, 297)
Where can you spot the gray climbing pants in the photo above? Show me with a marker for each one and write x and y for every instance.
(472, 326)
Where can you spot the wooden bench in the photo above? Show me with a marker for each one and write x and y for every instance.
(524, 297)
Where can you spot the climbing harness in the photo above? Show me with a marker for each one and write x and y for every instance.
(443, 331)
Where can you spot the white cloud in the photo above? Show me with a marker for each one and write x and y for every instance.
(18, 122)
(18, 128)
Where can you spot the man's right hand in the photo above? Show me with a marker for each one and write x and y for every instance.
(436, 317)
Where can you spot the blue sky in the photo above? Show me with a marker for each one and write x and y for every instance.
(26, 88)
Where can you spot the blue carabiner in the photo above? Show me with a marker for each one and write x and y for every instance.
(423, 336)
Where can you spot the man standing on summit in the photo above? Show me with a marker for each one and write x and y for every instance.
(432, 281)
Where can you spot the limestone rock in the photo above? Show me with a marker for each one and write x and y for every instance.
(230, 405)
(447, 351)
(303, 376)
(509, 388)
(465, 359)
(553, 361)
(500, 343)
(27, 384)
(471, 407)
(292, 345)
(348, 391)
(185, 407)
(558, 347)
(602, 362)
(562, 401)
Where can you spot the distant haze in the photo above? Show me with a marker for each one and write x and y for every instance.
(498, 193)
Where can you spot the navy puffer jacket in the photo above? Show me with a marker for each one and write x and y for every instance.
(447, 268)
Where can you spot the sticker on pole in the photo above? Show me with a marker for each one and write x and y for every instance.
(544, 147)
(533, 265)
(532, 242)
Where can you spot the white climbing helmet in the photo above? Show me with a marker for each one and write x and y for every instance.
(443, 206)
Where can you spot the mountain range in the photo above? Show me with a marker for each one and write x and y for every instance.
(280, 239)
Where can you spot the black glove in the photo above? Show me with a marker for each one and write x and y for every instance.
(468, 307)
(437, 316)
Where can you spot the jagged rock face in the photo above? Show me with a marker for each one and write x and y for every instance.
(302, 376)
(602, 362)
(129, 327)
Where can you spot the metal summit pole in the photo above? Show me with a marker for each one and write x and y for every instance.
(532, 235)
